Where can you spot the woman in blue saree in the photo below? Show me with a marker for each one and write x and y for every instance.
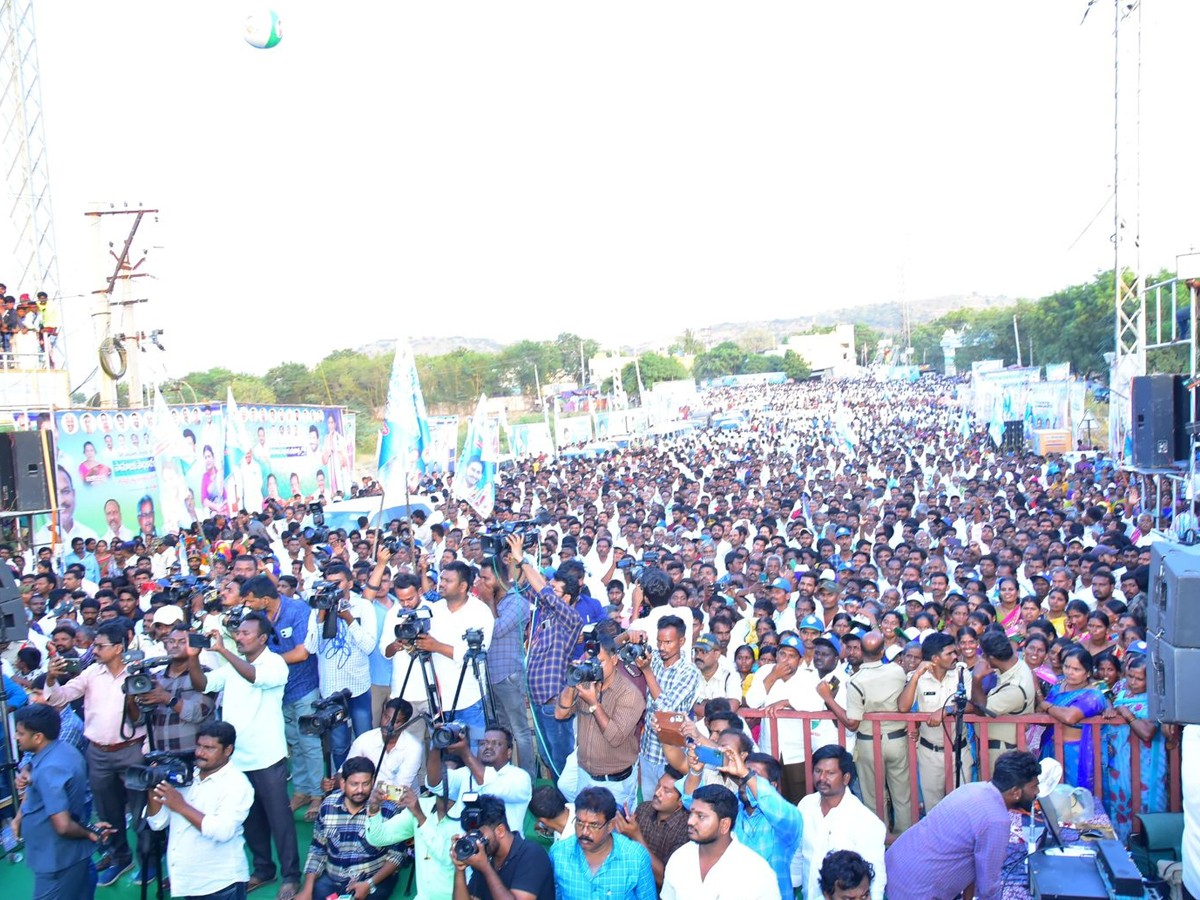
(1069, 702)
(1132, 706)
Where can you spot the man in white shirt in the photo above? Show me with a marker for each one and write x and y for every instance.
(253, 682)
(206, 854)
(834, 819)
(714, 864)
(491, 773)
(398, 766)
(785, 685)
(456, 614)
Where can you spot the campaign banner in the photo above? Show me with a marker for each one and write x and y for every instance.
(530, 440)
(114, 480)
(300, 450)
(441, 452)
(476, 483)
(1058, 371)
(574, 430)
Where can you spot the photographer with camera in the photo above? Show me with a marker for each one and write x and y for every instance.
(176, 711)
(497, 587)
(206, 854)
(289, 627)
(504, 865)
(343, 651)
(54, 809)
(254, 682)
(609, 708)
(406, 588)
(113, 744)
(492, 772)
(457, 614)
(552, 637)
(341, 861)
(672, 683)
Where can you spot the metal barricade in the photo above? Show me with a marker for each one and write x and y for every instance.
(912, 721)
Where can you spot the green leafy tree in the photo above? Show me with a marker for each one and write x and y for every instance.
(655, 368)
(796, 366)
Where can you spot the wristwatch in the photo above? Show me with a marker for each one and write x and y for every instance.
(592, 710)
(372, 887)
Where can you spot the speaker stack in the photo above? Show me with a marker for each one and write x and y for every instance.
(27, 477)
(13, 625)
(1173, 628)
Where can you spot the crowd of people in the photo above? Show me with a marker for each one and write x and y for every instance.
(28, 331)
(608, 667)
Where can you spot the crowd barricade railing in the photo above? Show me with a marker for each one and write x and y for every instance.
(981, 724)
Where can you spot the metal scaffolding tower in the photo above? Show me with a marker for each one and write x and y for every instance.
(34, 263)
(1129, 358)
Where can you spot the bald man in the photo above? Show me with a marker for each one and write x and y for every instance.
(876, 688)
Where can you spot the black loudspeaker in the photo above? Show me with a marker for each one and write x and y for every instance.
(27, 477)
(14, 627)
(1014, 436)
(1173, 624)
(1173, 611)
(1187, 411)
(1153, 400)
(1171, 676)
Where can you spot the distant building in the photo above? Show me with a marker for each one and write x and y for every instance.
(831, 353)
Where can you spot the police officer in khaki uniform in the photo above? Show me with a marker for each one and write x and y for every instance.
(1013, 695)
(932, 686)
(875, 688)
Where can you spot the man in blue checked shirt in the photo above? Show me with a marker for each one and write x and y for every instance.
(769, 825)
(672, 682)
(595, 862)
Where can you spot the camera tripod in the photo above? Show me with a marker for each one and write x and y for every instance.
(152, 844)
(476, 657)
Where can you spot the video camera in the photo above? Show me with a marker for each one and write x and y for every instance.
(495, 543)
(412, 623)
(326, 595)
(327, 714)
(138, 682)
(472, 819)
(160, 767)
(316, 533)
(445, 734)
(178, 590)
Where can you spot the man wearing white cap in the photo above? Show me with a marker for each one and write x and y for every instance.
(175, 711)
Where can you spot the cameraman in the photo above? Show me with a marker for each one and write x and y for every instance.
(457, 614)
(504, 866)
(113, 744)
(491, 773)
(506, 654)
(556, 628)
(289, 627)
(609, 713)
(175, 710)
(344, 661)
(406, 589)
(253, 682)
(54, 809)
(340, 860)
(206, 855)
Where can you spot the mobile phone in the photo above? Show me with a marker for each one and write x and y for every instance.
(710, 756)
(198, 641)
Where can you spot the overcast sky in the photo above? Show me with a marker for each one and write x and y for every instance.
(620, 169)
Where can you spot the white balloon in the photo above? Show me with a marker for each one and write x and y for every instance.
(263, 29)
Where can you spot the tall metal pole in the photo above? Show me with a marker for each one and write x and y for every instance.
(1017, 339)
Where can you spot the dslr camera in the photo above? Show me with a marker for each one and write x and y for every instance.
(412, 623)
(160, 767)
(232, 619)
(327, 714)
(588, 669)
(630, 653)
(495, 543)
(446, 733)
(472, 820)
